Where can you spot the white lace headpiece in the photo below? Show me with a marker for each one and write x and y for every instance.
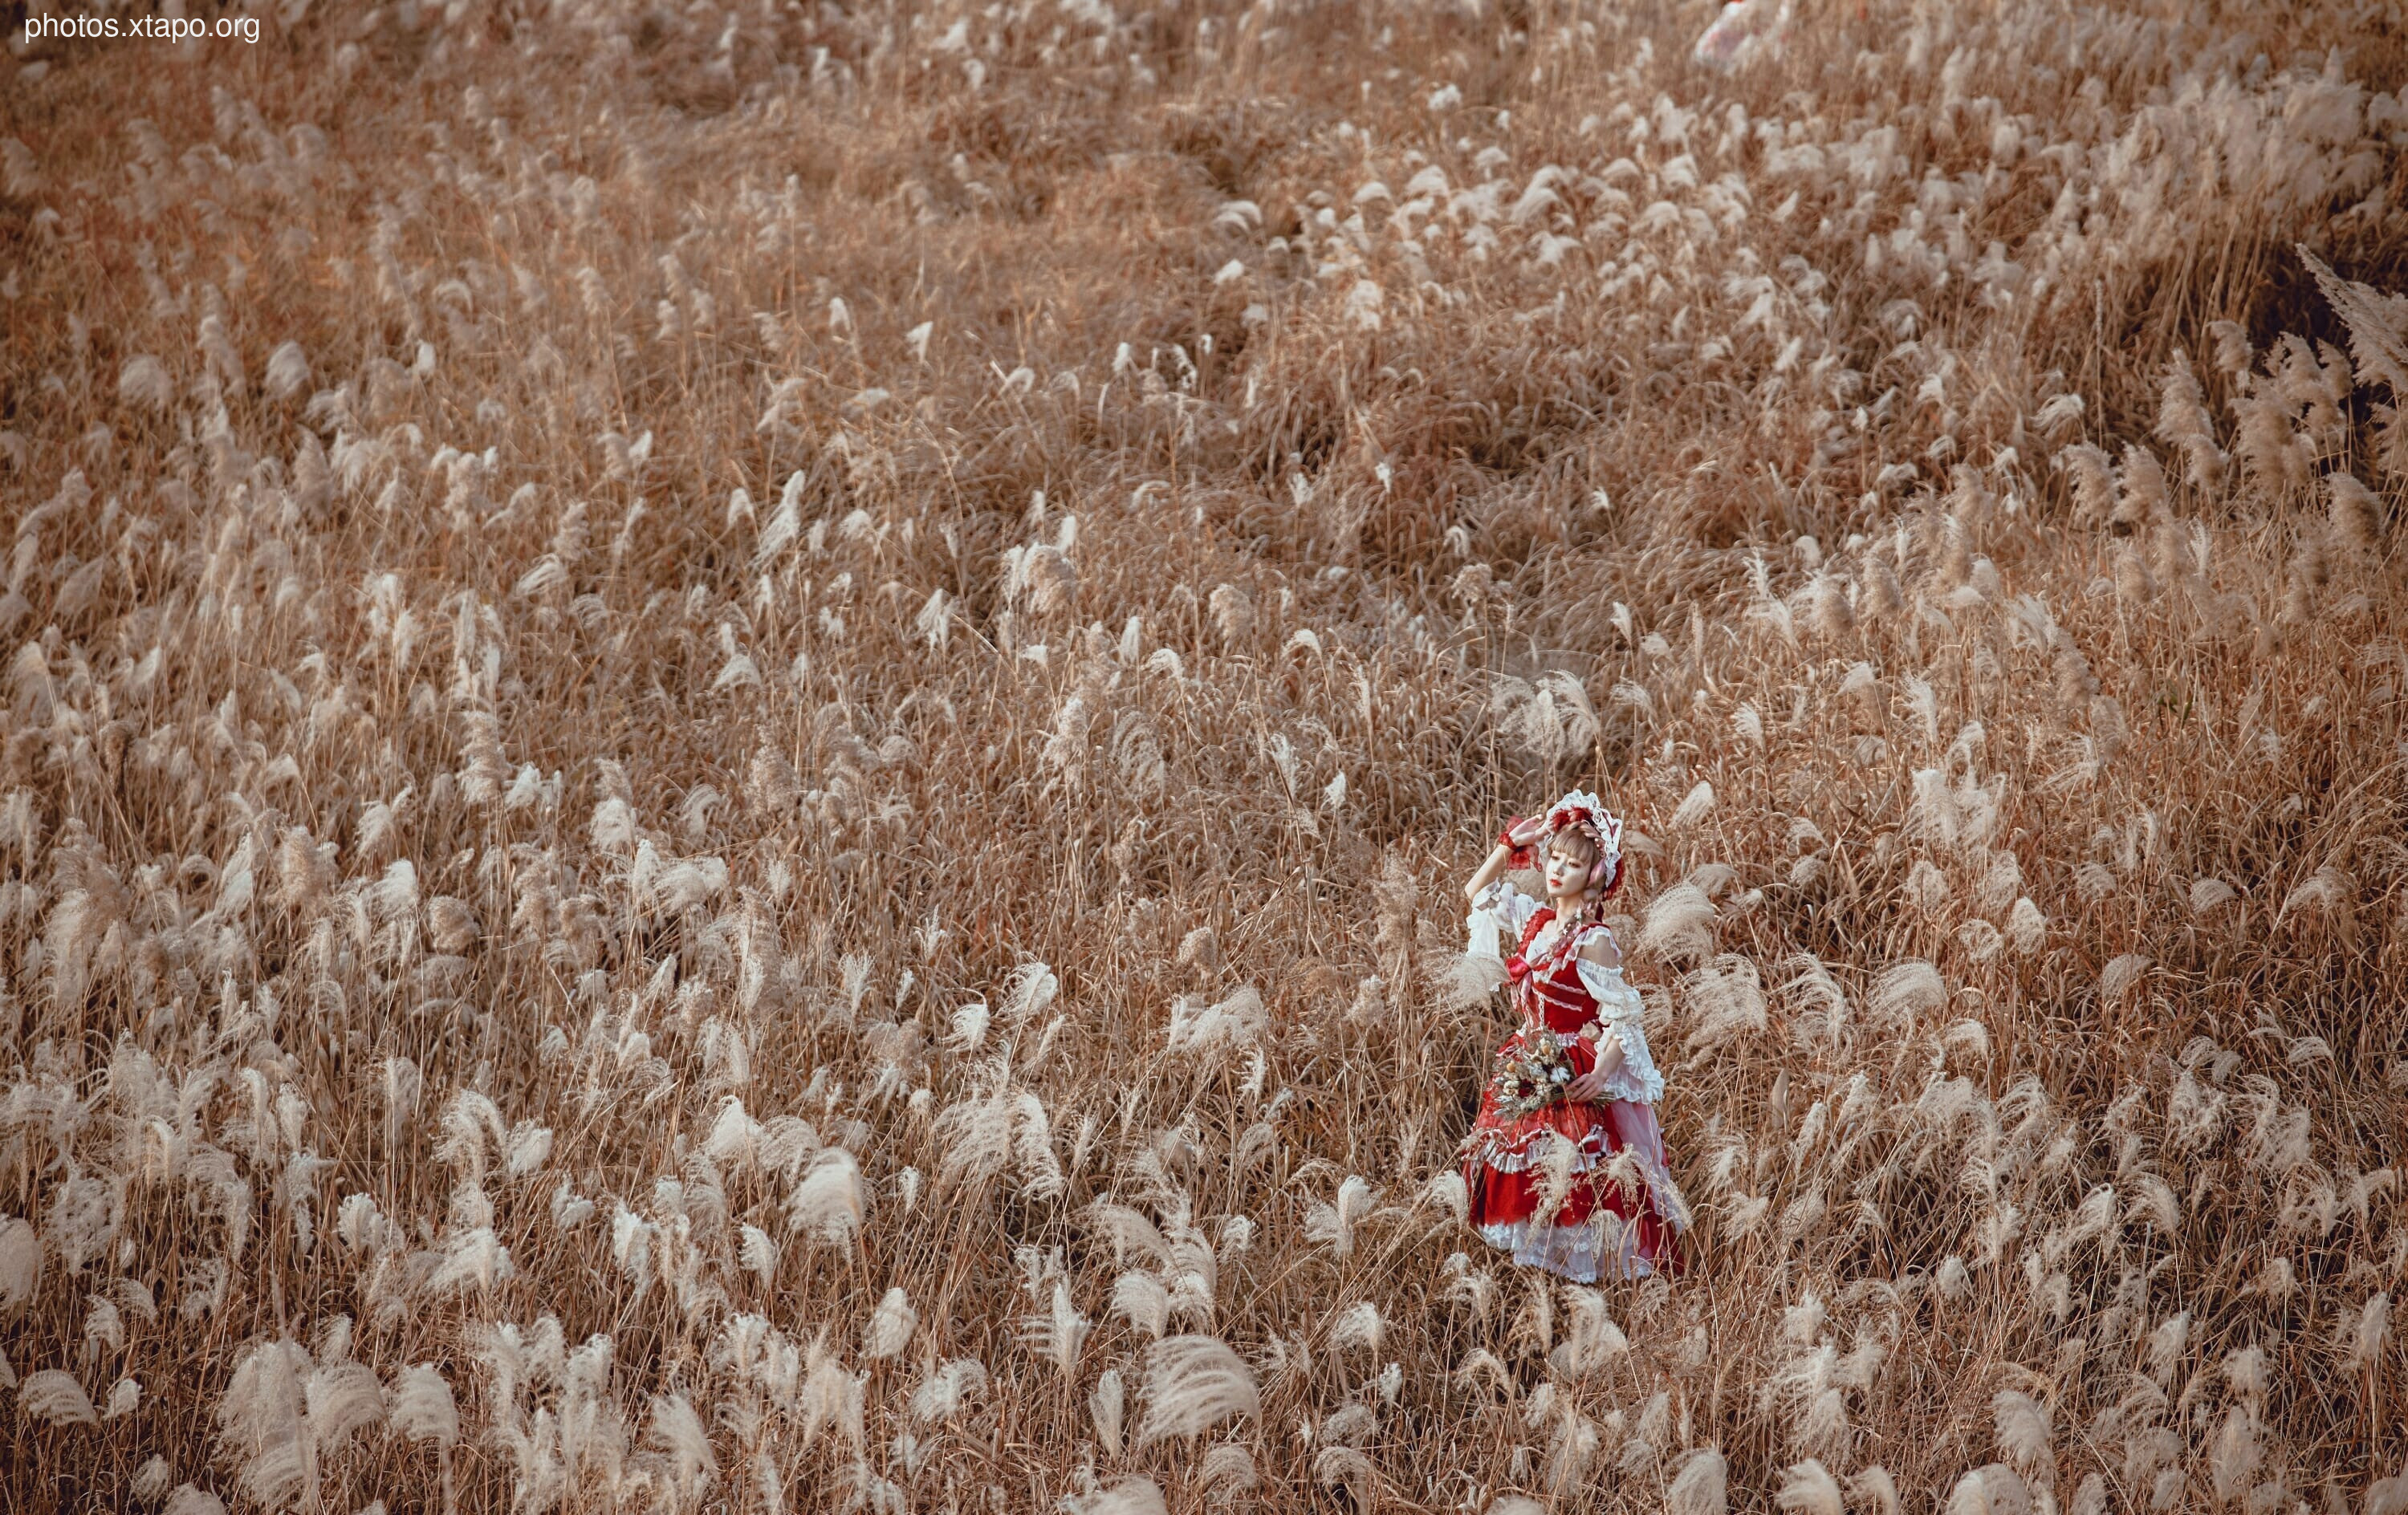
(1584, 810)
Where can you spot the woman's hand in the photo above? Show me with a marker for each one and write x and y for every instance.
(1590, 1087)
(1525, 833)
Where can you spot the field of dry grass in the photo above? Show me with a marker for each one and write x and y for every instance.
(737, 741)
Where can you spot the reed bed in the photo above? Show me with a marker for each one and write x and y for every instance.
(737, 741)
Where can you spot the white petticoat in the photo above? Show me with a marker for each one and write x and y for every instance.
(1604, 1246)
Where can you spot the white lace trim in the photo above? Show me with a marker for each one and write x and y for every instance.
(1604, 1245)
(1498, 911)
(1645, 1148)
(1616, 1001)
(1620, 1008)
(1499, 914)
(1587, 1152)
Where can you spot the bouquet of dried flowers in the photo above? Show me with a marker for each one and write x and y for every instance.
(1531, 1073)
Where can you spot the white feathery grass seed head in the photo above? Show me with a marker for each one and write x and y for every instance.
(1698, 1487)
(1333, 1224)
(890, 1326)
(1137, 1496)
(2024, 1433)
(1874, 1490)
(1192, 1384)
(420, 1406)
(1809, 1488)
(54, 1398)
(1678, 924)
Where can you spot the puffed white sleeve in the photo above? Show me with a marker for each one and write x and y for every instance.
(1620, 1008)
(1499, 912)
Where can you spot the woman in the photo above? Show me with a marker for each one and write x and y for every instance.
(1566, 1163)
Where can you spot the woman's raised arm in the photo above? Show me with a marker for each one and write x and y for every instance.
(1524, 834)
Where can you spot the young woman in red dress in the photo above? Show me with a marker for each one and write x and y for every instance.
(1566, 1162)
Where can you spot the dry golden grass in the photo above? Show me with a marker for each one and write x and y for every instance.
(737, 739)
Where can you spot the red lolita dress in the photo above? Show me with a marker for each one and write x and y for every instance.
(1619, 1218)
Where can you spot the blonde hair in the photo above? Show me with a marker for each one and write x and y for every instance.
(1580, 844)
(1575, 842)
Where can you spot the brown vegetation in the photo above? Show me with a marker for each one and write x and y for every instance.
(737, 739)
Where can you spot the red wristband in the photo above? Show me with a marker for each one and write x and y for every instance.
(1516, 855)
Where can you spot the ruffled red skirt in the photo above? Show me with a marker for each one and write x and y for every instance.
(1618, 1216)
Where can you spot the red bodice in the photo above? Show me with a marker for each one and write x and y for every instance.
(1597, 1226)
(1549, 988)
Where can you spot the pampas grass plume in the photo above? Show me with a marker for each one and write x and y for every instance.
(1832, 617)
(342, 1399)
(2026, 928)
(1333, 1223)
(21, 175)
(2356, 514)
(1142, 1301)
(2182, 422)
(2094, 482)
(941, 1395)
(2059, 413)
(1341, 1467)
(288, 372)
(1192, 1384)
(2361, 1339)
(1200, 949)
(2233, 354)
(1907, 991)
(1234, 1022)
(420, 1408)
(1678, 924)
(2121, 974)
(826, 1204)
(890, 1326)
(1698, 1488)
(1809, 1488)
(2234, 1454)
(2022, 1430)
(1991, 1490)
(1747, 723)
(1883, 597)
(50, 1395)
(1033, 987)
(1130, 1497)
(1108, 1405)
(1725, 997)
(20, 1262)
(1233, 613)
(677, 1431)
(1694, 807)
(1358, 1326)
(151, 1479)
(1226, 1471)
(2141, 499)
(143, 384)
(1874, 1488)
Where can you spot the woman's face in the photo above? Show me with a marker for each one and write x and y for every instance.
(1567, 865)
